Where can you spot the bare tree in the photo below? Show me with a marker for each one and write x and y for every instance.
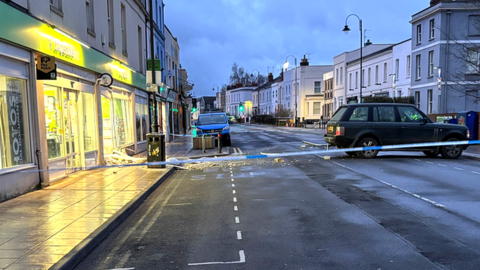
(282, 111)
(463, 50)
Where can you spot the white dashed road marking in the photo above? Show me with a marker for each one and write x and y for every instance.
(241, 253)
(239, 235)
(442, 165)
(475, 172)
(234, 199)
(429, 162)
(237, 220)
(233, 185)
(235, 208)
(456, 168)
(234, 192)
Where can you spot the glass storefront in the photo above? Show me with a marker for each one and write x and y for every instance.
(141, 117)
(62, 119)
(118, 124)
(89, 123)
(15, 148)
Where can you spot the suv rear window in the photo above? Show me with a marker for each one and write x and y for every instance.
(359, 114)
(338, 115)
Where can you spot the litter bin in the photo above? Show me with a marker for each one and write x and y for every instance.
(469, 119)
(155, 149)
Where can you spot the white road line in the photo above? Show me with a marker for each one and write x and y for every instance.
(234, 191)
(399, 188)
(123, 269)
(233, 180)
(456, 168)
(240, 151)
(417, 160)
(442, 165)
(237, 220)
(234, 199)
(233, 185)
(429, 162)
(235, 150)
(231, 175)
(235, 208)
(239, 235)
(241, 253)
(475, 172)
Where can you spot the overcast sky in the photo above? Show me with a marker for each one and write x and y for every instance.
(260, 34)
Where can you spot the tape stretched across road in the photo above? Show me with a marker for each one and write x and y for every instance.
(302, 153)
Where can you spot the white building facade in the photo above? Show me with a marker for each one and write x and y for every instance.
(237, 96)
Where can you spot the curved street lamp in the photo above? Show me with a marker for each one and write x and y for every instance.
(346, 30)
(285, 66)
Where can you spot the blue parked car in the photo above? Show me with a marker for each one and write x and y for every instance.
(213, 124)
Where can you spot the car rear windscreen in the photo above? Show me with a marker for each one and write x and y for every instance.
(338, 115)
(212, 119)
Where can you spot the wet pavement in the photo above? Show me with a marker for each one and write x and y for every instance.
(40, 228)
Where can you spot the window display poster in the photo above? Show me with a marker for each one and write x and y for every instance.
(14, 141)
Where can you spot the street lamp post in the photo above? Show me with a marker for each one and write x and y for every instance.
(152, 53)
(219, 96)
(295, 84)
(346, 29)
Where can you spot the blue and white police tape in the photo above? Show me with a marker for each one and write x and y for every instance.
(175, 162)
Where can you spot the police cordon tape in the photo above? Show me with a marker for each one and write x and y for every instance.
(176, 162)
(232, 132)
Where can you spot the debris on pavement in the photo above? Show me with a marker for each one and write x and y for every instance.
(279, 160)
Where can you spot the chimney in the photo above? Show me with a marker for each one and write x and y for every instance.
(281, 75)
(434, 2)
(368, 42)
(304, 61)
(270, 77)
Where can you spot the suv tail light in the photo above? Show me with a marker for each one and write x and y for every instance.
(340, 131)
(468, 133)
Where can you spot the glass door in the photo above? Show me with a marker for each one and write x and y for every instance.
(70, 101)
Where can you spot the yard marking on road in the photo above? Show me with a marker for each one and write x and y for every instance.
(234, 199)
(123, 269)
(237, 220)
(233, 185)
(239, 235)
(235, 150)
(179, 204)
(442, 165)
(234, 191)
(429, 162)
(456, 168)
(241, 253)
(235, 208)
(475, 172)
(398, 188)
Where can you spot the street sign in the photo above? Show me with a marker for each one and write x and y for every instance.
(46, 67)
(158, 66)
(152, 87)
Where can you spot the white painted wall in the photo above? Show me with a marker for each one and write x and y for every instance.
(400, 52)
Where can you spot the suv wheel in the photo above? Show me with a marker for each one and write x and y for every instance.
(367, 142)
(451, 151)
(431, 154)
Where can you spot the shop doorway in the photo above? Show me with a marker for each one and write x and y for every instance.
(72, 143)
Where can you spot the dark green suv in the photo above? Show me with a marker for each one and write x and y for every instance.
(372, 124)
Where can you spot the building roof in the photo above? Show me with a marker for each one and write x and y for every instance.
(208, 99)
(269, 84)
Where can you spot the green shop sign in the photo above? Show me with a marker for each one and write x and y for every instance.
(27, 31)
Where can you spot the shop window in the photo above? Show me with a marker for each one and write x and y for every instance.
(141, 118)
(14, 130)
(107, 125)
(123, 122)
(89, 124)
(53, 121)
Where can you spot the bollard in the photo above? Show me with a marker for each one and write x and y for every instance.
(219, 142)
(203, 143)
(155, 149)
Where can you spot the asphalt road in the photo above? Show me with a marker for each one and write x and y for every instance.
(399, 211)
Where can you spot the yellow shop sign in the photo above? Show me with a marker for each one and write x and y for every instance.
(121, 73)
(60, 46)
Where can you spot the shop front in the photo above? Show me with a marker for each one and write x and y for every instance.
(117, 117)
(70, 123)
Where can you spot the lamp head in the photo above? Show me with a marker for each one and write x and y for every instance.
(346, 29)
(285, 66)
